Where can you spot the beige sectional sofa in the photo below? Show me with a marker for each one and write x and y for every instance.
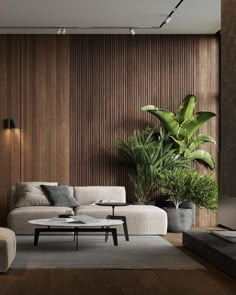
(141, 219)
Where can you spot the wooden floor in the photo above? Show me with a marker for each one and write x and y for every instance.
(131, 282)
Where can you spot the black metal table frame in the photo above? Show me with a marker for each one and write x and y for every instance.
(113, 216)
(123, 218)
(76, 230)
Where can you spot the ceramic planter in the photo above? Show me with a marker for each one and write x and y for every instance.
(179, 220)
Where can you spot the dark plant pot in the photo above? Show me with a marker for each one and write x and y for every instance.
(179, 220)
(138, 203)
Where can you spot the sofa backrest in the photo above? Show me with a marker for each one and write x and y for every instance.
(86, 195)
(89, 194)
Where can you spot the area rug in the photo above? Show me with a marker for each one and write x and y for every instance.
(141, 252)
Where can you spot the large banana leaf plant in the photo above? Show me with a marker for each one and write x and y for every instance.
(182, 127)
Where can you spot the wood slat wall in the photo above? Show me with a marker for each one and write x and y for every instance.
(207, 89)
(73, 96)
(9, 108)
(45, 108)
(35, 91)
(113, 76)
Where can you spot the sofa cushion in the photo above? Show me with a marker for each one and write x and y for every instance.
(60, 196)
(31, 194)
(18, 218)
(141, 219)
(89, 194)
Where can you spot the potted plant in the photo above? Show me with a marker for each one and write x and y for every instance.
(187, 185)
(145, 183)
(148, 153)
(182, 128)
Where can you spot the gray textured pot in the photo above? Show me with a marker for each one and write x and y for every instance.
(179, 220)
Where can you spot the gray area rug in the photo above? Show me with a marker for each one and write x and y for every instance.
(141, 252)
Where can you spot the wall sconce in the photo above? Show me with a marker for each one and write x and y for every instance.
(9, 124)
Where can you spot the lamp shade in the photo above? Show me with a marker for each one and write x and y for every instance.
(9, 124)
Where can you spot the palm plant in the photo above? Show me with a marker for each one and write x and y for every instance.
(182, 127)
(149, 154)
(145, 182)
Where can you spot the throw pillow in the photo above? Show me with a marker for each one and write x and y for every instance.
(60, 196)
(31, 194)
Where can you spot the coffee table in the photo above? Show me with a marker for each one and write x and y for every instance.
(75, 224)
(116, 217)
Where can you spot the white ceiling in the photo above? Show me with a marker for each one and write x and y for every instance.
(192, 17)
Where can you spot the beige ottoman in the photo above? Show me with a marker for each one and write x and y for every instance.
(7, 248)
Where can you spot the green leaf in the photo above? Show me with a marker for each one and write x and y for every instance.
(181, 184)
(200, 139)
(181, 144)
(186, 109)
(167, 118)
(203, 156)
(192, 124)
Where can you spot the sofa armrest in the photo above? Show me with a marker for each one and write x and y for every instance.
(89, 194)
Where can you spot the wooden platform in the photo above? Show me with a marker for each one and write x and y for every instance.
(213, 249)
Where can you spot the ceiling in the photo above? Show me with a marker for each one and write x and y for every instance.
(192, 16)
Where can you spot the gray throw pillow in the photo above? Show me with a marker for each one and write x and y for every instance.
(60, 196)
(31, 194)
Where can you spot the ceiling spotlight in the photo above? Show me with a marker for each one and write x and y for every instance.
(168, 19)
(132, 32)
(58, 31)
(63, 31)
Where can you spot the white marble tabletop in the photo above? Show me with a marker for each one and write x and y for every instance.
(68, 222)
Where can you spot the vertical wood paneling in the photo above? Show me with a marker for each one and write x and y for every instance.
(35, 91)
(45, 106)
(9, 108)
(113, 76)
(206, 87)
(71, 100)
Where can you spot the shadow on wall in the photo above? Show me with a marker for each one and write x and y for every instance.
(126, 127)
(115, 169)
